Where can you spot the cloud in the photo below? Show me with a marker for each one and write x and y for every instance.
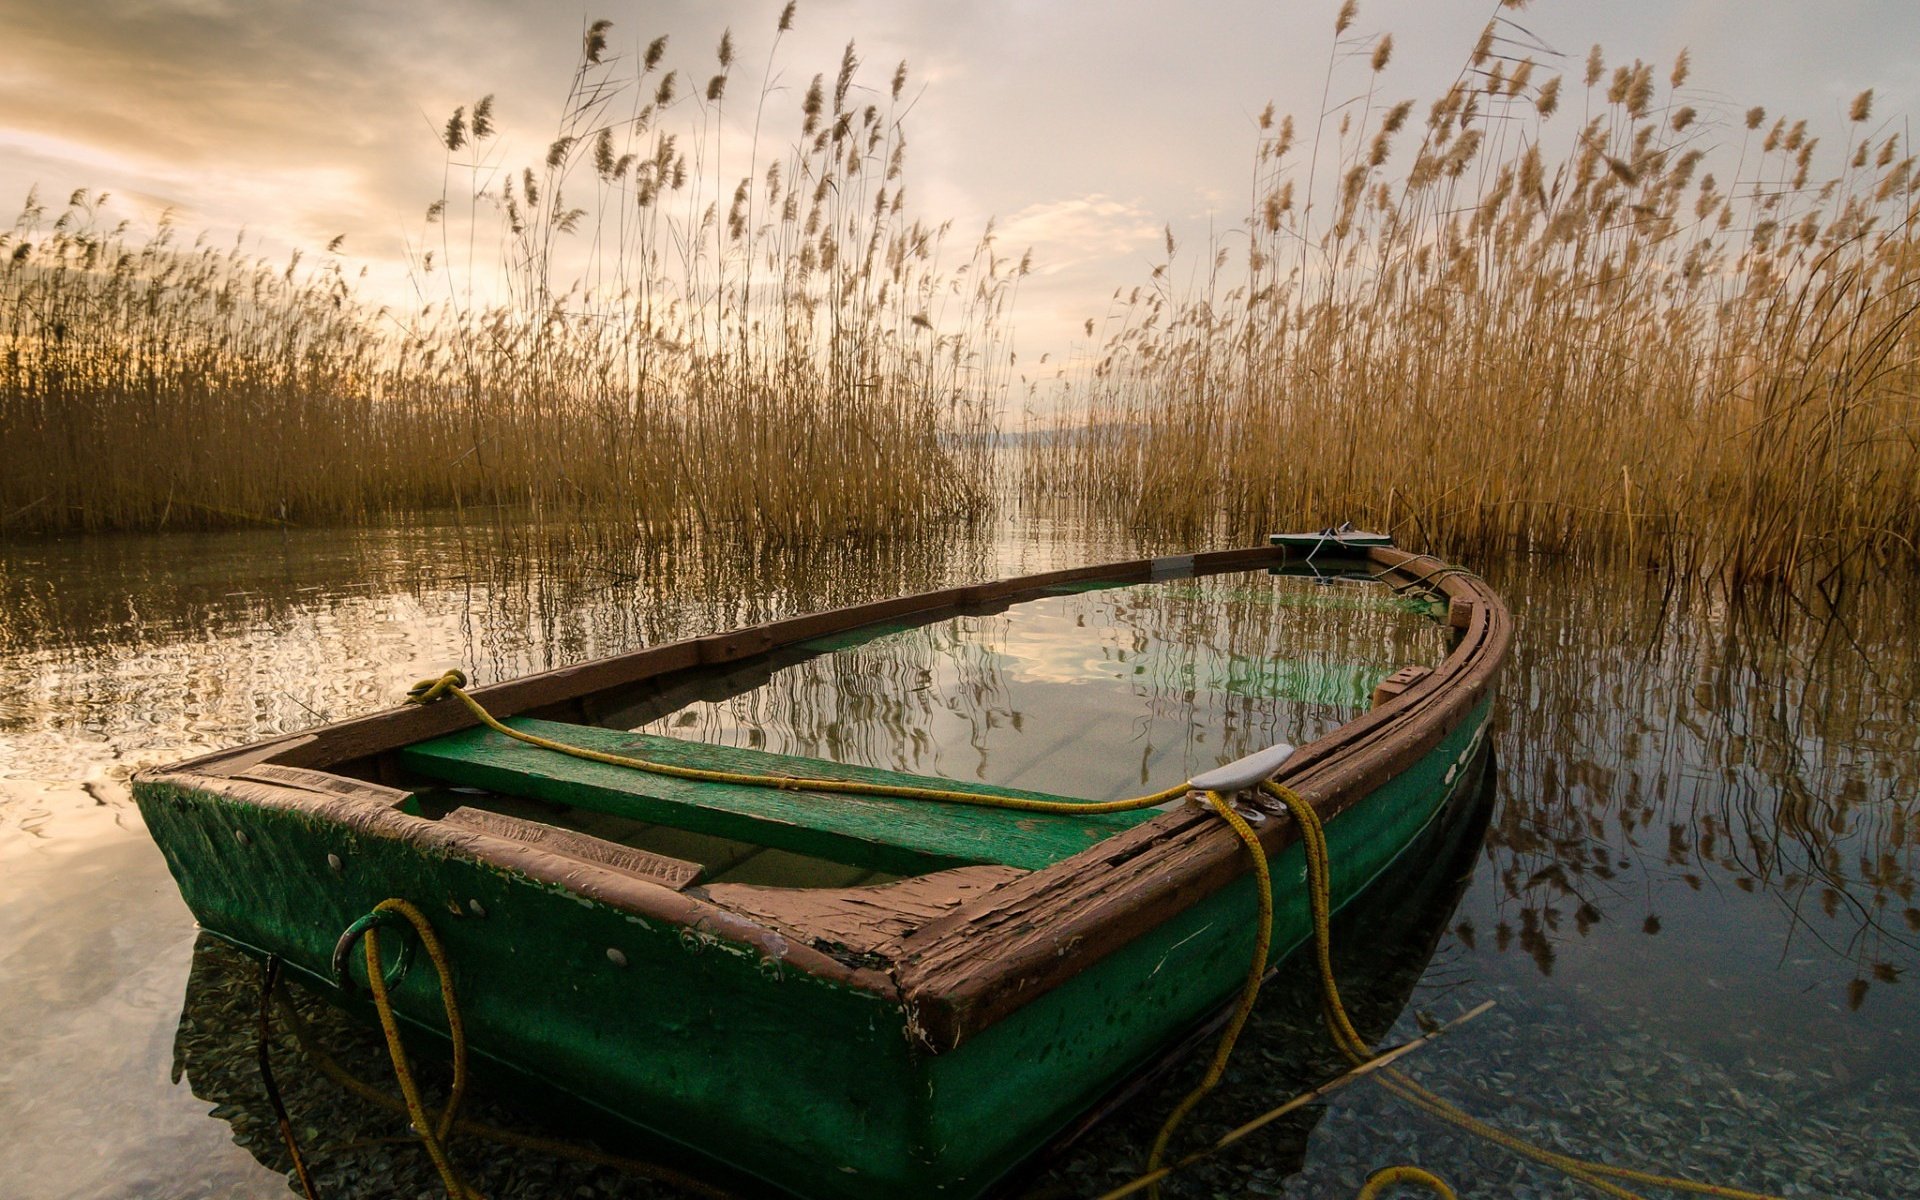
(1066, 235)
(296, 121)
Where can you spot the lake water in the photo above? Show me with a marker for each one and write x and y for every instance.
(1692, 899)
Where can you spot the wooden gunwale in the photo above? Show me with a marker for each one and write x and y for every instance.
(590, 881)
(1003, 941)
(968, 969)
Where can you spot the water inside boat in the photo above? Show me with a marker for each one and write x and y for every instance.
(1090, 692)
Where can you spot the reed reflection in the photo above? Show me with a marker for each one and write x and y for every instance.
(122, 651)
(1092, 693)
(1666, 748)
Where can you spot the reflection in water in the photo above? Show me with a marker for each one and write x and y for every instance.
(122, 651)
(1669, 755)
(1697, 910)
(1089, 692)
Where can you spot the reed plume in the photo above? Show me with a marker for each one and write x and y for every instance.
(670, 347)
(1485, 344)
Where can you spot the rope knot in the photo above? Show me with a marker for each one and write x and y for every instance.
(429, 690)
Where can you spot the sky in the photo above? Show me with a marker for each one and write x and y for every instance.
(1084, 128)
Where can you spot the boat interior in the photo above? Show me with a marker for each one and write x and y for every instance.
(684, 833)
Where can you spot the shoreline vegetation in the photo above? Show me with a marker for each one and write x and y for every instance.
(1570, 307)
(670, 349)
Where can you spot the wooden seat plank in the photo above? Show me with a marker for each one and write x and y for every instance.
(895, 835)
(673, 873)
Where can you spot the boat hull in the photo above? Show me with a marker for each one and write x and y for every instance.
(720, 1053)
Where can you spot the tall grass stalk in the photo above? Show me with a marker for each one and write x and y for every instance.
(619, 328)
(1654, 335)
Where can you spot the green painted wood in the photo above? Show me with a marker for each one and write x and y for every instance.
(899, 836)
(702, 1040)
(732, 1063)
(1080, 1038)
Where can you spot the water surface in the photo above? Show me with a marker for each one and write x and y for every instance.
(1096, 692)
(1694, 904)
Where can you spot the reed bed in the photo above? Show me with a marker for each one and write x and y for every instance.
(1621, 322)
(1618, 321)
(624, 329)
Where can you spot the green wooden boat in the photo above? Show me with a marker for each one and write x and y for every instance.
(1387, 938)
(919, 1033)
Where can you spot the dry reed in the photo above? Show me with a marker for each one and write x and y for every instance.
(1510, 336)
(1655, 334)
(674, 349)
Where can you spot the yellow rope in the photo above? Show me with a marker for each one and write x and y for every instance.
(1387, 1177)
(1249, 991)
(432, 1133)
(1319, 885)
(453, 683)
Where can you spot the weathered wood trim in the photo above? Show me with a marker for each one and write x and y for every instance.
(324, 783)
(865, 921)
(674, 873)
(1393, 685)
(641, 896)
